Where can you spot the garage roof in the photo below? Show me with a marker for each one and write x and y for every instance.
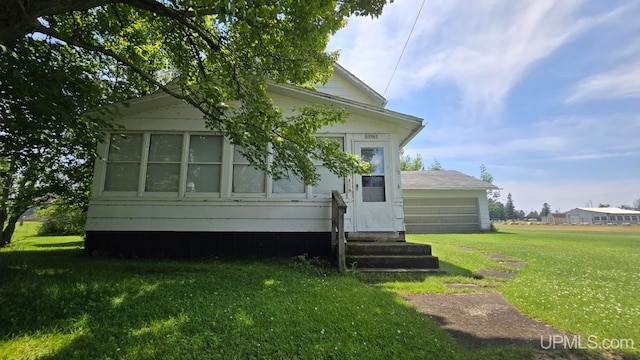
(443, 180)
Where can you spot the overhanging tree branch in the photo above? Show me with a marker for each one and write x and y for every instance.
(162, 10)
(121, 59)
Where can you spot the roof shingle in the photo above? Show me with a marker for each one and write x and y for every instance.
(443, 180)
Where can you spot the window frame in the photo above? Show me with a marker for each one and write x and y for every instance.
(147, 162)
(183, 163)
(107, 154)
(186, 163)
(265, 183)
(318, 165)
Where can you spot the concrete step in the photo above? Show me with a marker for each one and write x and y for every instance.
(392, 262)
(386, 236)
(386, 248)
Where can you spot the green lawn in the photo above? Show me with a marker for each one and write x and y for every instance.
(55, 303)
(585, 280)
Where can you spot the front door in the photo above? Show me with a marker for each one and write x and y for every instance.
(373, 192)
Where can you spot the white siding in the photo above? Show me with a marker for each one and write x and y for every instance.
(338, 86)
(227, 211)
(219, 216)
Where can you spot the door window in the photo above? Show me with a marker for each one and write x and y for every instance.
(373, 184)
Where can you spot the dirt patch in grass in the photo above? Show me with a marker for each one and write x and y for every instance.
(478, 320)
(498, 256)
(496, 273)
(515, 264)
(462, 286)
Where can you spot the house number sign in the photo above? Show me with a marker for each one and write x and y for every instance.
(371, 136)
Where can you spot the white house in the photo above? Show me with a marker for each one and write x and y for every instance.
(167, 184)
(445, 201)
(604, 215)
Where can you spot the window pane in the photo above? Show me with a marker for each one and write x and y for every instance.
(165, 148)
(338, 140)
(373, 189)
(237, 156)
(122, 177)
(375, 158)
(203, 178)
(126, 147)
(247, 179)
(204, 148)
(163, 177)
(328, 182)
(293, 185)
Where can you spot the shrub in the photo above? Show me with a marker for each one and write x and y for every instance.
(61, 219)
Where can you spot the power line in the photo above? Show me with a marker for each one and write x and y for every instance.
(403, 48)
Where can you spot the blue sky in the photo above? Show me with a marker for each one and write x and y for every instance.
(545, 93)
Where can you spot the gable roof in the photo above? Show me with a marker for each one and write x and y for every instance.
(610, 210)
(443, 180)
(408, 125)
(376, 98)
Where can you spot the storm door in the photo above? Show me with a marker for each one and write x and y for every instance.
(374, 200)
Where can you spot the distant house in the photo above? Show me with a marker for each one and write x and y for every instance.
(445, 201)
(555, 218)
(606, 215)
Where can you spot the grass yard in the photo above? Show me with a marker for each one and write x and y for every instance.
(55, 303)
(582, 279)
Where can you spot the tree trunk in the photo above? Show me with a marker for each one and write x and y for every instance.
(8, 231)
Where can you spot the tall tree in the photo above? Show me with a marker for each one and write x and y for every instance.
(61, 58)
(636, 204)
(509, 208)
(546, 209)
(533, 215)
(435, 165)
(496, 210)
(409, 164)
(492, 195)
(46, 144)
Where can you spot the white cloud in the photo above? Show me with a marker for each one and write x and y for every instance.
(483, 47)
(620, 83)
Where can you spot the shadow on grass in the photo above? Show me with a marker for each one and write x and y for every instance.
(77, 307)
(78, 243)
(449, 269)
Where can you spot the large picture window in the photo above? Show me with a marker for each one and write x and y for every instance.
(191, 165)
(169, 161)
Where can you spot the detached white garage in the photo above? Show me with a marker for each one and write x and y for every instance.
(444, 201)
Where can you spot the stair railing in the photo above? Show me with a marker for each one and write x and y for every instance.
(338, 239)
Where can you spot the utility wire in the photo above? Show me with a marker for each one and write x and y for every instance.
(403, 49)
